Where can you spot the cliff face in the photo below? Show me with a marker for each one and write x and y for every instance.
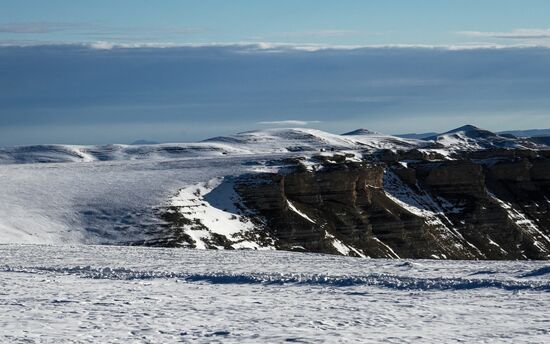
(495, 206)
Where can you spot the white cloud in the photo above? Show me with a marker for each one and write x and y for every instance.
(246, 47)
(514, 34)
(271, 47)
(289, 122)
(102, 45)
(241, 46)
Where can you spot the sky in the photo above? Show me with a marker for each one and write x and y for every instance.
(95, 72)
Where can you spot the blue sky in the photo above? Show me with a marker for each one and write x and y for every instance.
(354, 22)
(116, 71)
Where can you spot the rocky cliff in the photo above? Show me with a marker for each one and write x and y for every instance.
(493, 204)
(465, 194)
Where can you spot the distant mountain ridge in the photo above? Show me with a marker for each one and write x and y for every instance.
(415, 136)
(470, 137)
(267, 141)
(528, 133)
(144, 142)
(361, 131)
(516, 133)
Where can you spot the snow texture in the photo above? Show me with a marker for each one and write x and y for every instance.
(90, 294)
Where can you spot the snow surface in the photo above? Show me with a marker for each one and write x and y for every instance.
(107, 294)
(280, 140)
(100, 202)
(73, 153)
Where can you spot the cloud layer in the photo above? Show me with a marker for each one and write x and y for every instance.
(514, 34)
(58, 93)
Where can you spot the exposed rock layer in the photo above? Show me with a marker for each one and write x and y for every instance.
(488, 205)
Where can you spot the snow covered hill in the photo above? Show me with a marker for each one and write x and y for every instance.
(300, 139)
(72, 153)
(470, 137)
(268, 141)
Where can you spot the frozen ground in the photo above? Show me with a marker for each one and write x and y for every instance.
(56, 294)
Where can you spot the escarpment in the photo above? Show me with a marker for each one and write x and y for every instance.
(490, 207)
(486, 204)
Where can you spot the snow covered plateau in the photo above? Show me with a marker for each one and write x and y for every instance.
(190, 242)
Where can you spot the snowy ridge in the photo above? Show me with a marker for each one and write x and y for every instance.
(376, 140)
(72, 153)
(266, 141)
(470, 137)
(302, 139)
(361, 131)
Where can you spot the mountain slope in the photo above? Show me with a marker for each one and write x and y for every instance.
(470, 137)
(375, 140)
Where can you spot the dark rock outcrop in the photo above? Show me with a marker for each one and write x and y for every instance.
(491, 206)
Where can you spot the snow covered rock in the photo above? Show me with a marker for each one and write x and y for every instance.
(470, 137)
